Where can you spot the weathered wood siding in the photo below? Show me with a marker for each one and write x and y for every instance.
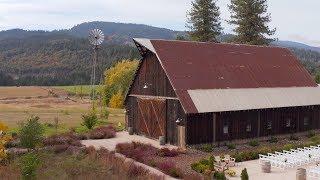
(174, 112)
(297, 115)
(237, 123)
(150, 73)
(199, 128)
(245, 124)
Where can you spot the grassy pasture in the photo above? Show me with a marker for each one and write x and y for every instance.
(19, 103)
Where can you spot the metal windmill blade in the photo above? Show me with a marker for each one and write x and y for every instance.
(96, 37)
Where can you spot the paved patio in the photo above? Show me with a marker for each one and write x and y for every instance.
(254, 171)
(122, 137)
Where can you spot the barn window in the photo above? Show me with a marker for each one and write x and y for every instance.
(288, 122)
(225, 129)
(269, 125)
(306, 121)
(248, 128)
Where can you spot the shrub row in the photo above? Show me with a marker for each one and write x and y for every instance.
(146, 153)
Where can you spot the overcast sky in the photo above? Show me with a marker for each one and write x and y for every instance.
(294, 19)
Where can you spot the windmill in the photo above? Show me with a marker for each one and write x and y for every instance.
(96, 38)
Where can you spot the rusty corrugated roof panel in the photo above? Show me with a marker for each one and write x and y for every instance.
(253, 98)
(195, 65)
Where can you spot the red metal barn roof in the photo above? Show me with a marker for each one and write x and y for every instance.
(195, 65)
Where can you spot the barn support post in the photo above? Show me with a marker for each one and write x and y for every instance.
(214, 127)
(259, 123)
(182, 136)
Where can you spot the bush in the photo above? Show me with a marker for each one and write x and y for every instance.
(293, 137)
(206, 148)
(231, 173)
(169, 168)
(204, 165)
(105, 113)
(136, 171)
(165, 152)
(244, 174)
(28, 165)
(89, 120)
(273, 139)
(219, 175)
(311, 134)
(315, 139)
(103, 133)
(31, 133)
(63, 139)
(288, 147)
(254, 143)
(137, 151)
(198, 167)
(231, 146)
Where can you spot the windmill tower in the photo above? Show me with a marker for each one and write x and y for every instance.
(96, 38)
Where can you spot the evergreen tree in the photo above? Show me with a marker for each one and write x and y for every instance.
(204, 21)
(251, 19)
(244, 174)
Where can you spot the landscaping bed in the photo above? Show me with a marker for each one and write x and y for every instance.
(173, 162)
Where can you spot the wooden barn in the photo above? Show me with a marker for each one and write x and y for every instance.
(192, 93)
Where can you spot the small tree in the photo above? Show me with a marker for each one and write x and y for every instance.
(28, 166)
(116, 100)
(89, 120)
(244, 174)
(31, 133)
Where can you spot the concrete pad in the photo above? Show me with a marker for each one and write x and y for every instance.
(123, 137)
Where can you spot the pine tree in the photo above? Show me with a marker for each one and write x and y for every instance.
(251, 19)
(204, 21)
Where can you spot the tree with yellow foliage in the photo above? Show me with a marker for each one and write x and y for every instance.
(117, 82)
(4, 138)
(116, 100)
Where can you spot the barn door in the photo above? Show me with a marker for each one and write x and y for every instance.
(151, 117)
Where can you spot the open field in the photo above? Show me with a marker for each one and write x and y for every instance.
(22, 92)
(19, 103)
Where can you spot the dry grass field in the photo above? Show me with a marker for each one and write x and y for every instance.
(22, 92)
(19, 103)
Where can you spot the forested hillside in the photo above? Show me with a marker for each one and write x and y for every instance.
(63, 57)
(55, 59)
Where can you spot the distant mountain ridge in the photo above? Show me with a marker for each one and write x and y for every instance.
(122, 33)
(292, 44)
(116, 33)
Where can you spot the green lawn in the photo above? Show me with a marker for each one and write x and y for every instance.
(78, 89)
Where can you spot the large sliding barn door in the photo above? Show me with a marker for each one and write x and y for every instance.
(151, 117)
